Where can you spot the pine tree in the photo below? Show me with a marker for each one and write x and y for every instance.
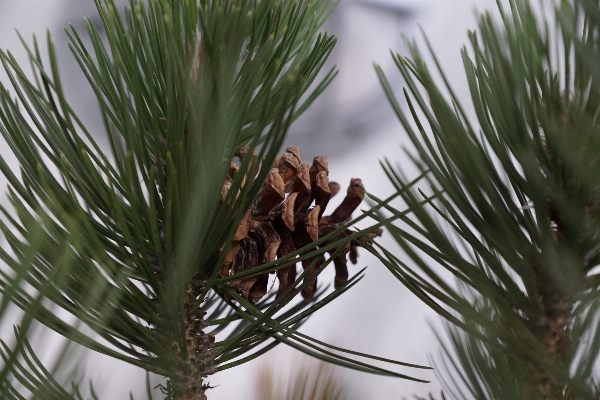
(161, 250)
(507, 204)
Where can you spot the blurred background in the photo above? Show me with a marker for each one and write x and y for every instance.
(354, 126)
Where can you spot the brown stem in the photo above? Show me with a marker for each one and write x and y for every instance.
(554, 332)
(189, 383)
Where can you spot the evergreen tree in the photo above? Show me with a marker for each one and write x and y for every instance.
(160, 252)
(508, 204)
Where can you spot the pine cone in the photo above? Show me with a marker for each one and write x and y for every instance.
(287, 215)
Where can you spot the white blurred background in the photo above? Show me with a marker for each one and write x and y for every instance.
(354, 126)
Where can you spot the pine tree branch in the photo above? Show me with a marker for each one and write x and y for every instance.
(514, 218)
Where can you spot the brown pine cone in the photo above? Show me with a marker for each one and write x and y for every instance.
(287, 215)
